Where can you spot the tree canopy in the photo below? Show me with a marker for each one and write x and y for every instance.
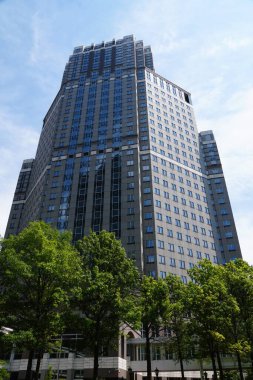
(44, 278)
(153, 304)
(39, 274)
(109, 284)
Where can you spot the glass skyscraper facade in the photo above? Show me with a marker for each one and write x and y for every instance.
(119, 150)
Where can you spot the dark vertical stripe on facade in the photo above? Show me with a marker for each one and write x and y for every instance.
(101, 62)
(115, 196)
(98, 198)
(81, 202)
(90, 65)
(113, 61)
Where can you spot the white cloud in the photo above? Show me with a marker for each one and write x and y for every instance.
(37, 45)
(226, 44)
(42, 49)
(237, 43)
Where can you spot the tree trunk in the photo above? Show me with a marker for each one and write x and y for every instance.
(248, 334)
(181, 364)
(148, 355)
(220, 364)
(251, 357)
(201, 369)
(238, 356)
(95, 362)
(37, 370)
(212, 354)
(239, 365)
(180, 356)
(29, 365)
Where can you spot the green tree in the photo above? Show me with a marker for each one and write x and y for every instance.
(39, 273)
(49, 374)
(153, 303)
(177, 321)
(239, 279)
(211, 308)
(4, 374)
(109, 283)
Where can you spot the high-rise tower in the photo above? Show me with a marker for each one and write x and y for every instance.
(119, 150)
(222, 216)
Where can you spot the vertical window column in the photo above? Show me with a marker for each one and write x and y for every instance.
(98, 197)
(62, 222)
(81, 201)
(115, 196)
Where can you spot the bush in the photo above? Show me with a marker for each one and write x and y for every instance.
(49, 374)
(249, 375)
(231, 375)
(4, 374)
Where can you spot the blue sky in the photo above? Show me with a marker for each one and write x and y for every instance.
(205, 46)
